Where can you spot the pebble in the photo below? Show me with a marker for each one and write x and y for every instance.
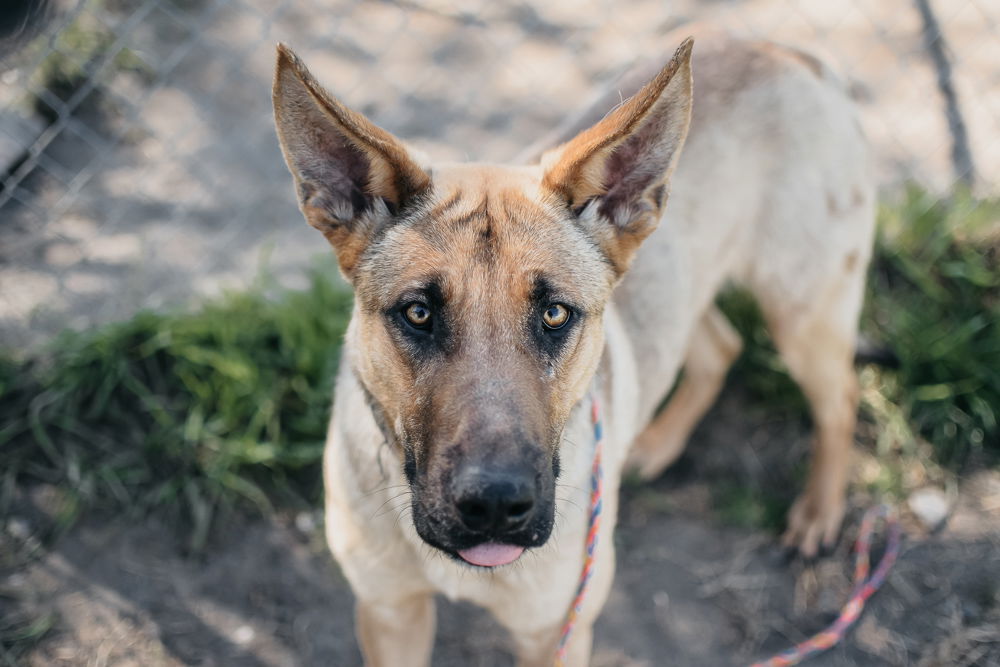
(930, 505)
(305, 522)
(243, 635)
(19, 529)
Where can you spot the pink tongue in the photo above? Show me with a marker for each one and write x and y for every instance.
(491, 554)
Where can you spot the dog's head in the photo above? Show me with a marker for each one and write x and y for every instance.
(479, 292)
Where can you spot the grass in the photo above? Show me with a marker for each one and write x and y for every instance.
(934, 297)
(748, 507)
(227, 405)
(20, 632)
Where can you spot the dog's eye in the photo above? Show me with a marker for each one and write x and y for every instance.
(555, 316)
(418, 315)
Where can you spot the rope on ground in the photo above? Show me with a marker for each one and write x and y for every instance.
(864, 588)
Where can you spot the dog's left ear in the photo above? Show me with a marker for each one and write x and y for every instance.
(351, 176)
(615, 175)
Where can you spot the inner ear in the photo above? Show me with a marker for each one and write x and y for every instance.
(615, 175)
(351, 176)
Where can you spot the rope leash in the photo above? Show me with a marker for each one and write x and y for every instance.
(864, 586)
(596, 491)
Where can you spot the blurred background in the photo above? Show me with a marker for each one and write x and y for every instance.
(169, 326)
(140, 166)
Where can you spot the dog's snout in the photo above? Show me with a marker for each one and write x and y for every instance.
(494, 501)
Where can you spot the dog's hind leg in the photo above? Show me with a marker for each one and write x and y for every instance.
(400, 632)
(817, 343)
(713, 347)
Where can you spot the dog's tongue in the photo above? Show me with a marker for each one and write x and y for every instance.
(491, 554)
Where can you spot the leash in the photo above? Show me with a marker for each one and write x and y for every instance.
(864, 586)
(596, 491)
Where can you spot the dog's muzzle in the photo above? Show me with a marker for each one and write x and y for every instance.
(490, 513)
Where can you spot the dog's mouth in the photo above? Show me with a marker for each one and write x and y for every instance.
(491, 554)
(481, 549)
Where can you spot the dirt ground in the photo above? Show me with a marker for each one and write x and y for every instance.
(691, 590)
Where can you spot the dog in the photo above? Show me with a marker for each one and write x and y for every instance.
(495, 304)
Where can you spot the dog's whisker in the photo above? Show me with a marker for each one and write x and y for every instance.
(391, 499)
(573, 487)
(378, 512)
(384, 488)
(399, 508)
(399, 516)
(569, 501)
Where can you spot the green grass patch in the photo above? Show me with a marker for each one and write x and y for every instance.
(749, 508)
(182, 410)
(934, 297)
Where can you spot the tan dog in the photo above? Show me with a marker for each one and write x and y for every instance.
(491, 301)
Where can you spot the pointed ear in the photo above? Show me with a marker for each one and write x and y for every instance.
(614, 176)
(351, 176)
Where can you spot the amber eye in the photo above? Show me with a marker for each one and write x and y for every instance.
(555, 316)
(418, 315)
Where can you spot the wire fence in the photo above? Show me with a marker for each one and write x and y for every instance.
(139, 168)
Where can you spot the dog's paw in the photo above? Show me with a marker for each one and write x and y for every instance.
(813, 526)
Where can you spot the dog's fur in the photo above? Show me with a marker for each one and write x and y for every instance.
(774, 192)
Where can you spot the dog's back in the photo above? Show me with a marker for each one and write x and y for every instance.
(775, 192)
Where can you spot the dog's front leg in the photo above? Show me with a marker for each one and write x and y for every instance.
(396, 633)
(538, 649)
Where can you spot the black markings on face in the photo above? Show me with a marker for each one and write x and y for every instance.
(550, 342)
(434, 336)
(409, 465)
(486, 243)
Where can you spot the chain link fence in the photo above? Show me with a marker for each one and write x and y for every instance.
(139, 167)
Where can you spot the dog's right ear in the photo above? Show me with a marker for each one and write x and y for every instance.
(351, 176)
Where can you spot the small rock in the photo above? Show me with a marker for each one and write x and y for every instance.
(19, 529)
(243, 635)
(305, 522)
(930, 506)
(661, 599)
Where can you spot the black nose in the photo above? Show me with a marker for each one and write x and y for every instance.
(494, 501)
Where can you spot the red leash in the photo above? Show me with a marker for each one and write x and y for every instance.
(864, 588)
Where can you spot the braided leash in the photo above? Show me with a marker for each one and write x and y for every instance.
(864, 587)
(596, 490)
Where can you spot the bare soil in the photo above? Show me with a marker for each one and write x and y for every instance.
(691, 589)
